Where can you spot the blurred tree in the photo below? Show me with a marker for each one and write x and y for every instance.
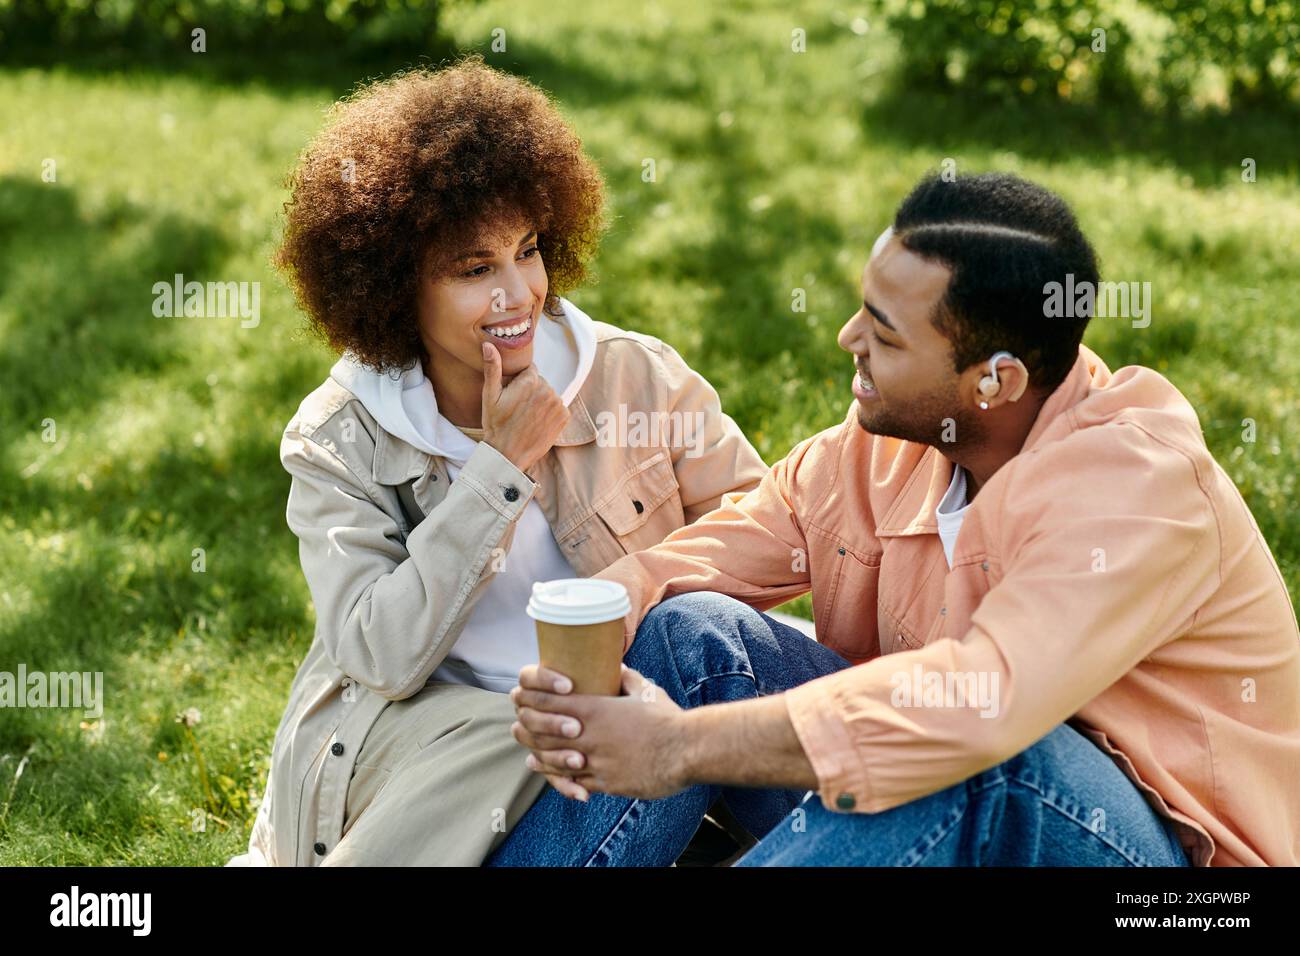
(149, 25)
(1085, 49)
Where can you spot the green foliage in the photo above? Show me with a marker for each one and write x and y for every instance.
(1000, 46)
(145, 25)
(1212, 52)
(1254, 43)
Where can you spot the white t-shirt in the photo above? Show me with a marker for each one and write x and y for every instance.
(951, 511)
(499, 637)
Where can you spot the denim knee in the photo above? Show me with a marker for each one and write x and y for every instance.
(678, 622)
(693, 638)
(1067, 772)
(696, 605)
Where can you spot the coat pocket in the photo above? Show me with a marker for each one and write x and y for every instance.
(644, 506)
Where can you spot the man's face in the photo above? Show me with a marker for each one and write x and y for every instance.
(905, 384)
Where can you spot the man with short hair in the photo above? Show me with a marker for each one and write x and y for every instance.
(1049, 630)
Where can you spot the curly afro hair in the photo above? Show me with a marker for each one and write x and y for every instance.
(408, 173)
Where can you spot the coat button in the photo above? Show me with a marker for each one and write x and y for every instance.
(984, 565)
(512, 493)
(337, 749)
(638, 506)
(845, 801)
(320, 849)
(841, 550)
(433, 477)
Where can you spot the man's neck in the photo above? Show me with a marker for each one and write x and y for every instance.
(999, 446)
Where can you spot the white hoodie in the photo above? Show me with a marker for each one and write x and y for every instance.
(499, 637)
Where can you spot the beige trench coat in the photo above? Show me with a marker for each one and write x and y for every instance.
(392, 592)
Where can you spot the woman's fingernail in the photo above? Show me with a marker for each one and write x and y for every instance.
(530, 762)
(563, 685)
(571, 728)
(574, 761)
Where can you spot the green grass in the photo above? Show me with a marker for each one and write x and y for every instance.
(775, 171)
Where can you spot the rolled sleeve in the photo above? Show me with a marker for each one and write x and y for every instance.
(842, 781)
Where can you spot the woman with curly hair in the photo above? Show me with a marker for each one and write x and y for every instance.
(450, 460)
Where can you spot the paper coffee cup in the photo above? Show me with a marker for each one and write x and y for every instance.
(580, 631)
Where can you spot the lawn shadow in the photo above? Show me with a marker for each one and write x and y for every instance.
(1209, 146)
(337, 69)
(78, 285)
(311, 67)
(576, 82)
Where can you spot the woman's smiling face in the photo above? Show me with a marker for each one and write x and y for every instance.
(493, 292)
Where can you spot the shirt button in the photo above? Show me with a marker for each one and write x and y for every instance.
(320, 849)
(841, 550)
(845, 801)
(337, 749)
(984, 565)
(512, 493)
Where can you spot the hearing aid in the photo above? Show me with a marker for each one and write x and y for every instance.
(989, 385)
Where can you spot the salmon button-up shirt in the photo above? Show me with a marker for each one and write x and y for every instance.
(1110, 576)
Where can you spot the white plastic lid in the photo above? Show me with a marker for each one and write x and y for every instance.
(578, 601)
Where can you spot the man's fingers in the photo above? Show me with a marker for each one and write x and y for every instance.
(537, 677)
(540, 700)
(631, 681)
(553, 681)
(555, 761)
(553, 725)
(542, 743)
(529, 677)
(568, 787)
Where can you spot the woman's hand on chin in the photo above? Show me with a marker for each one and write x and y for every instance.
(521, 420)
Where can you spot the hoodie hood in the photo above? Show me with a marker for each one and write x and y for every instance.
(404, 404)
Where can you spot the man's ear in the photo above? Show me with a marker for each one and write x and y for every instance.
(1015, 377)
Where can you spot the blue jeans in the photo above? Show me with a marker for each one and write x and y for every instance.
(1039, 808)
(1060, 802)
